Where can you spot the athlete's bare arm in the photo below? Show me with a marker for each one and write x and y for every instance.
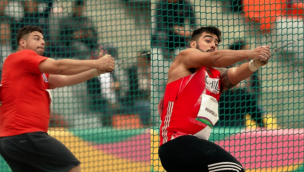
(56, 81)
(193, 59)
(71, 67)
(232, 76)
(85, 71)
(226, 83)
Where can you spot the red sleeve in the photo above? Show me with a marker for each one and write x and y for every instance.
(31, 61)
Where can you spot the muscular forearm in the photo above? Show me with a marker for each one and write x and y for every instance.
(225, 58)
(194, 58)
(81, 77)
(237, 74)
(67, 80)
(71, 67)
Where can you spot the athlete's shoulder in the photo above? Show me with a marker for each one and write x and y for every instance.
(183, 54)
(28, 54)
(23, 53)
(14, 56)
(188, 53)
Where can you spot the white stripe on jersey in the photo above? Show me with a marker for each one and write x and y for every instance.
(167, 121)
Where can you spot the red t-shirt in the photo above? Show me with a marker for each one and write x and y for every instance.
(25, 101)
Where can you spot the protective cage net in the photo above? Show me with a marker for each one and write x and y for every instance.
(261, 119)
(105, 120)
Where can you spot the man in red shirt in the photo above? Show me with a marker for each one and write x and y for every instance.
(24, 108)
(189, 108)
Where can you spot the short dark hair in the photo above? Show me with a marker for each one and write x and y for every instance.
(209, 29)
(238, 45)
(26, 30)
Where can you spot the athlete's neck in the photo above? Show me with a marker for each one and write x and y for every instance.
(19, 48)
(193, 70)
(208, 70)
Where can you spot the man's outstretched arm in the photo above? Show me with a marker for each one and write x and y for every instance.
(232, 76)
(71, 67)
(104, 64)
(56, 81)
(194, 58)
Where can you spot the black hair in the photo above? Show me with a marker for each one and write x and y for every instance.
(209, 29)
(26, 30)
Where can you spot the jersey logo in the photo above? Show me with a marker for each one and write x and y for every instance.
(44, 77)
(212, 84)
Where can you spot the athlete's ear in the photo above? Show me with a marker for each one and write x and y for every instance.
(193, 44)
(22, 43)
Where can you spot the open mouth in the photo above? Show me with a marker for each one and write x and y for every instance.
(210, 50)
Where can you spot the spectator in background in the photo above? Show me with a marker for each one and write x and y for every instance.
(3, 4)
(140, 86)
(5, 37)
(236, 5)
(106, 95)
(104, 92)
(34, 17)
(235, 103)
(77, 32)
(172, 32)
(172, 27)
(253, 84)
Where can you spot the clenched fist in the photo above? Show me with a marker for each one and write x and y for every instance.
(262, 53)
(105, 63)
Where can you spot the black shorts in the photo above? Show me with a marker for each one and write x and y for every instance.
(36, 152)
(189, 153)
